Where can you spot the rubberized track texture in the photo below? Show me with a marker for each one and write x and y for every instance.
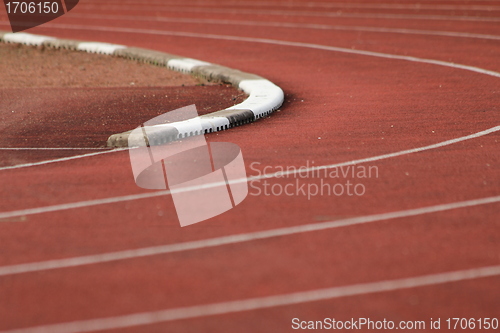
(374, 192)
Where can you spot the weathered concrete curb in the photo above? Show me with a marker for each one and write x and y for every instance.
(264, 96)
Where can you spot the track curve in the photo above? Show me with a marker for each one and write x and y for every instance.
(86, 250)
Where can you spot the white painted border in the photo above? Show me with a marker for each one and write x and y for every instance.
(265, 97)
(234, 239)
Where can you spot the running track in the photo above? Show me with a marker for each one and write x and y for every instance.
(412, 90)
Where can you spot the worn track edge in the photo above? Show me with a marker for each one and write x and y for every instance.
(264, 96)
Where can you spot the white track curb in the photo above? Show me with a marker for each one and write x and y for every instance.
(264, 96)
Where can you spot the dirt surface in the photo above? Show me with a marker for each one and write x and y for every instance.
(29, 66)
(46, 94)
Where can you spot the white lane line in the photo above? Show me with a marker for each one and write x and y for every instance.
(234, 239)
(266, 302)
(52, 148)
(62, 159)
(336, 14)
(280, 42)
(89, 203)
(324, 5)
(25, 38)
(291, 25)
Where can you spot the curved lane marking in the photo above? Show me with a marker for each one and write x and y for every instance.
(327, 5)
(291, 25)
(266, 302)
(53, 148)
(184, 9)
(294, 298)
(280, 42)
(89, 203)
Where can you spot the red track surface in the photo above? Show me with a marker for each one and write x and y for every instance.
(339, 107)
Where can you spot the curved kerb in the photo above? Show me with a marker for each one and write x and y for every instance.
(264, 96)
